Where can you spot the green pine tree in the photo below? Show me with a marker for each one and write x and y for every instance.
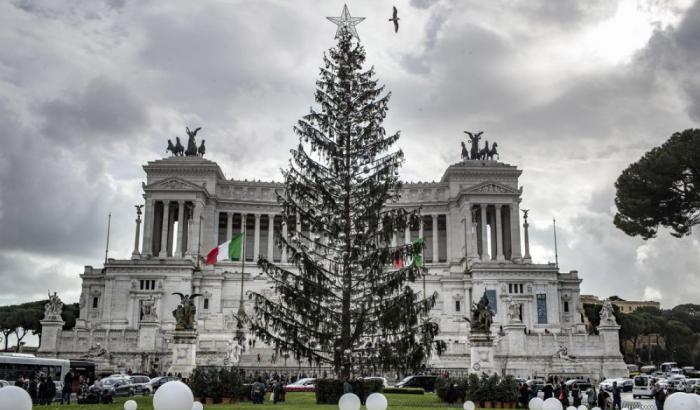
(341, 305)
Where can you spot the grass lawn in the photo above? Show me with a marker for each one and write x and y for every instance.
(295, 401)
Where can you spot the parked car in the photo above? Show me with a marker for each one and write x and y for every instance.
(677, 384)
(385, 383)
(136, 384)
(691, 385)
(156, 382)
(643, 386)
(107, 385)
(626, 385)
(425, 382)
(607, 384)
(582, 384)
(306, 384)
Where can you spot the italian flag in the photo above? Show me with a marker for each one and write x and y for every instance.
(230, 250)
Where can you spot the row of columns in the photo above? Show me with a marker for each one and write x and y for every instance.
(421, 234)
(505, 235)
(158, 237)
(256, 233)
(283, 258)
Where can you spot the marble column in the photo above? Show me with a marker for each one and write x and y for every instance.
(165, 229)
(284, 248)
(171, 232)
(148, 222)
(484, 234)
(196, 222)
(436, 240)
(244, 219)
(256, 243)
(420, 235)
(515, 231)
(135, 254)
(270, 237)
(527, 241)
(180, 229)
(229, 226)
(394, 240)
(499, 234)
(468, 246)
(407, 235)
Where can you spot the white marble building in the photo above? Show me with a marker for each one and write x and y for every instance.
(475, 242)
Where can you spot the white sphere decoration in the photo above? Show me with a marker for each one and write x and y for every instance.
(552, 404)
(376, 401)
(696, 397)
(681, 401)
(535, 404)
(173, 395)
(130, 405)
(596, 408)
(574, 408)
(14, 398)
(348, 401)
(469, 405)
(197, 406)
(582, 407)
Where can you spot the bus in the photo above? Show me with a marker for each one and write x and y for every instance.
(14, 365)
(666, 367)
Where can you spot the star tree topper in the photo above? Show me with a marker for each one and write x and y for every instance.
(346, 22)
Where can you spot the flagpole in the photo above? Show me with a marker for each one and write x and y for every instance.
(556, 252)
(241, 310)
(109, 224)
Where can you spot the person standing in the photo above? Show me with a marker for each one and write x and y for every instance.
(603, 397)
(548, 389)
(33, 386)
(576, 394)
(617, 397)
(659, 396)
(563, 394)
(50, 391)
(67, 388)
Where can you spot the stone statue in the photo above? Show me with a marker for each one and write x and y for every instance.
(185, 311)
(488, 153)
(52, 310)
(474, 139)
(177, 150)
(465, 152)
(95, 351)
(513, 311)
(191, 143)
(525, 212)
(482, 316)
(563, 354)
(607, 314)
(233, 355)
(148, 310)
(201, 150)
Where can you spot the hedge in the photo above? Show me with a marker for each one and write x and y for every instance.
(328, 391)
(478, 389)
(403, 390)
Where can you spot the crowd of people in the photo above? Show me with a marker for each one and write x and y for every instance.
(42, 388)
(571, 394)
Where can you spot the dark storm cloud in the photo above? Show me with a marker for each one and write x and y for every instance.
(103, 110)
(676, 51)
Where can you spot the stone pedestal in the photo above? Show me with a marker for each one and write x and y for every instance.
(481, 353)
(515, 336)
(613, 364)
(184, 350)
(50, 334)
(148, 330)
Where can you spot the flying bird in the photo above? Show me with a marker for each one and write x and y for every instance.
(395, 19)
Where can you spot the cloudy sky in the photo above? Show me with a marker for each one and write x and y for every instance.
(572, 91)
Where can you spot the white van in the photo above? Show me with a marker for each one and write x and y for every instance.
(643, 386)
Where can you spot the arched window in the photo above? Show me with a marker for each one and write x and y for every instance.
(206, 303)
(95, 300)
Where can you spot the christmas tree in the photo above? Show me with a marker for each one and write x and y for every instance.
(344, 304)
